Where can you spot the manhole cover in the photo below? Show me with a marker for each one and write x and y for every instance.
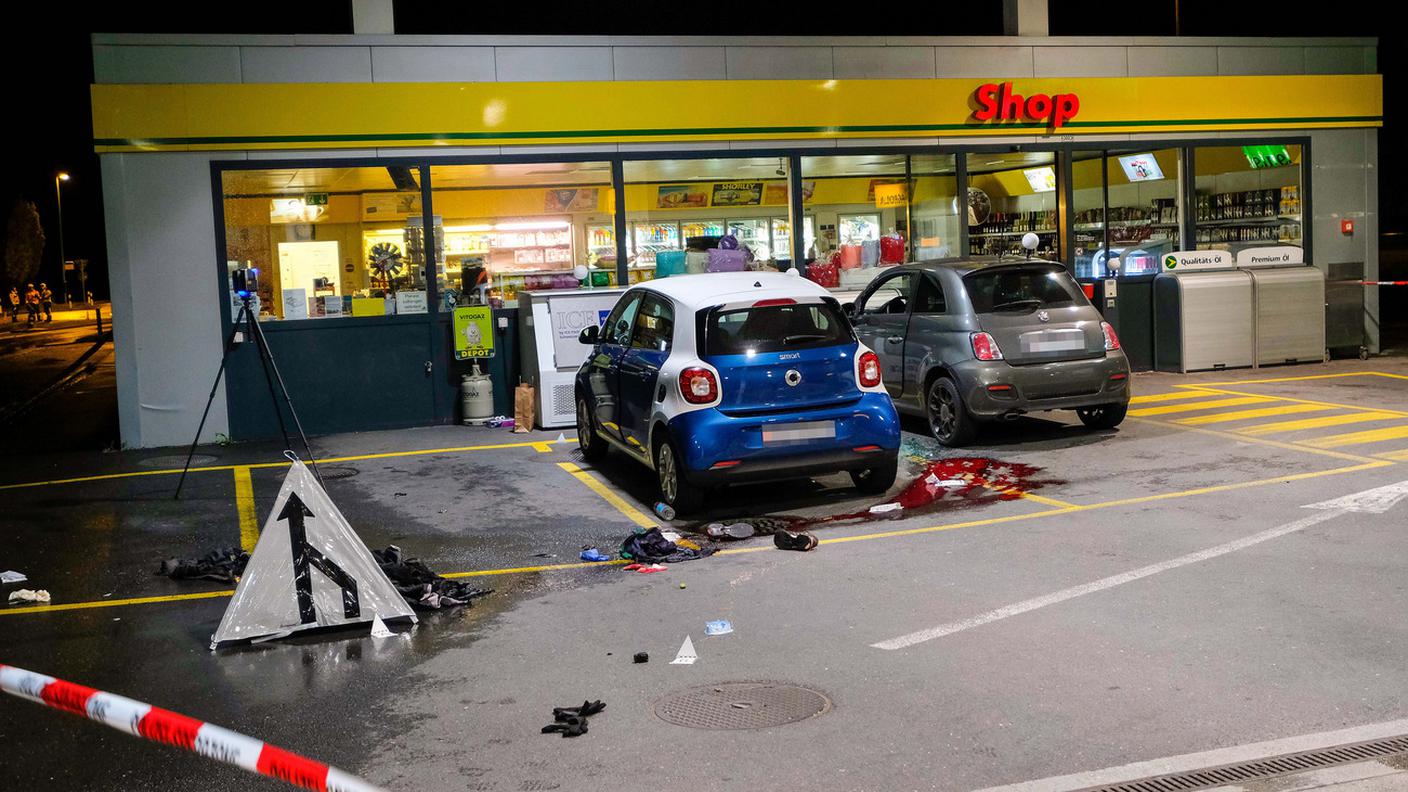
(336, 472)
(176, 461)
(741, 705)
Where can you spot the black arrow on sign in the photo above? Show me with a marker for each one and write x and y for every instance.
(305, 556)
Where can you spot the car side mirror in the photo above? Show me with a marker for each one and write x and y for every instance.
(589, 334)
(849, 308)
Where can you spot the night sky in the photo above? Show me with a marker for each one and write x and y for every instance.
(49, 62)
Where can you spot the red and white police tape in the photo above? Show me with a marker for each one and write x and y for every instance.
(164, 726)
(1383, 283)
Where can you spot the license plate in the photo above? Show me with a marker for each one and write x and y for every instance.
(1054, 341)
(807, 430)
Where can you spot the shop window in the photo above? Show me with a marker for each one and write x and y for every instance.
(326, 242)
(516, 227)
(934, 210)
(1010, 195)
(1128, 235)
(862, 210)
(1248, 196)
(680, 212)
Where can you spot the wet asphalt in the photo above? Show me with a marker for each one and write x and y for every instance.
(1296, 635)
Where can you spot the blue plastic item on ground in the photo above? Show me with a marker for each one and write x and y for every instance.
(718, 627)
(593, 554)
(669, 262)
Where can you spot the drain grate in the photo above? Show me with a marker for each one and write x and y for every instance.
(1262, 768)
(742, 705)
(331, 472)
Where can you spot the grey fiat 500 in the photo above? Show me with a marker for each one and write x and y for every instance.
(963, 341)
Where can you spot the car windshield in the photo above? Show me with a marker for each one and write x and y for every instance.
(774, 328)
(1020, 288)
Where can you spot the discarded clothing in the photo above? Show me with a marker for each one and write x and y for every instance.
(644, 569)
(593, 554)
(223, 566)
(421, 587)
(572, 721)
(794, 540)
(651, 547)
(26, 595)
(11, 576)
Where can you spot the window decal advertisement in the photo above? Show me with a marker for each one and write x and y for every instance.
(682, 196)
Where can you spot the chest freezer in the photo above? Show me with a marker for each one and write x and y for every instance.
(549, 352)
(1203, 317)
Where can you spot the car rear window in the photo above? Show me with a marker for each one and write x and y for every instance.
(774, 328)
(1020, 289)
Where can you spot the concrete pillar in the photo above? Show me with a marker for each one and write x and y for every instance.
(375, 16)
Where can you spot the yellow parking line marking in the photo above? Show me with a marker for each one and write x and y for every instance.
(1202, 405)
(244, 502)
(1306, 377)
(1377, 463)
(1359, 438)
(1243, 415)
(1397, 456)
(1163, 397)
(1317, 423)
(1357, 407)
(543, 448)
(1242, 438)
(261, 465)
(632, 513)
(113, 603)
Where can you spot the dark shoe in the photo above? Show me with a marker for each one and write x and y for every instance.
(798, 540)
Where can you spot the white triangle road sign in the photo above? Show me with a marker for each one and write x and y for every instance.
(686, 654)
(309, 570)
(1373, 501)
(379, 628)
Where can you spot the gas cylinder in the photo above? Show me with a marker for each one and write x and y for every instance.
(476, 396)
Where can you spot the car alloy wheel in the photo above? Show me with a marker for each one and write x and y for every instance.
(668, 472)
(584, 426)
(943, 416)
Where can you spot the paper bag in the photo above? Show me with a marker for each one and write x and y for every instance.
(523, 408)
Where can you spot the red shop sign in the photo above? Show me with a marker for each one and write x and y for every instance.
(997, 103)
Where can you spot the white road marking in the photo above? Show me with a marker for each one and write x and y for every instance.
(1372, 501)
(1213, 758)
(1043, 601)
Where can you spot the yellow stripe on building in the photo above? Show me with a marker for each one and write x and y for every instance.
(1360, 438)
(1211, 404)
(1244, 415)
(1317, 423)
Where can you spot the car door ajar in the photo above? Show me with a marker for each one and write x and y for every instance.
(639, 369)
(881, 318)
(602, 366)
(929, 335)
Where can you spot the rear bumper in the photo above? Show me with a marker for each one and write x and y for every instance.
(1064, 385)
(708, 437)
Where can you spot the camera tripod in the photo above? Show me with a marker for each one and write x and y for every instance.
(247, 321)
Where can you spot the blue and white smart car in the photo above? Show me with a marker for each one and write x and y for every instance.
(729, 377)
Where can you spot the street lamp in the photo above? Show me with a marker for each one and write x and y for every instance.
(63, 264)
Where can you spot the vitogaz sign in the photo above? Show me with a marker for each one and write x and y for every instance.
(1185, 260)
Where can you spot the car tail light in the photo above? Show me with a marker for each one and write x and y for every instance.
(1112, 341)
(774, 301)
(868, 368)
(698, 385)
(985, 347)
